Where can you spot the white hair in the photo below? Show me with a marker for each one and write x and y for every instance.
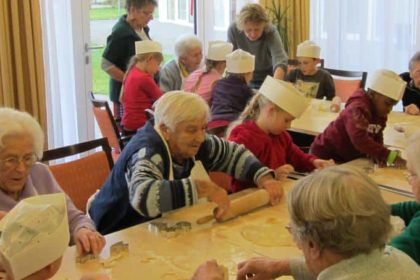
(175, 107)
(340, 208)
(17, 123)
(185, 43)
(413, 151)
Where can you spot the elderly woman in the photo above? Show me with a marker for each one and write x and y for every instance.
(409, 240)
(119, 49)
(21, 144)
(189, 53)
(341, 223)
(411, 98)
(252, 32)
(163, 167)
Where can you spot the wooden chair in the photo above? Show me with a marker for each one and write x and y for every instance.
(347, 82)
(108, 126)
(80, 178)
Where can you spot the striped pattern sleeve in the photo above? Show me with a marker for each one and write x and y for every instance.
(235, 160)
(149, 193)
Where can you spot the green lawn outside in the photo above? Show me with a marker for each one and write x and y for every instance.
(100, 78)
(105, 13)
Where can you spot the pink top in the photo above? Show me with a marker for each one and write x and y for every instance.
(204, 86)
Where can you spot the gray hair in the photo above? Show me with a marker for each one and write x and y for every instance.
(138, 4)
(415, 58)
(186, 43)
(252, 13)
(413, 151)
(175, 107)
(17, 123)
(340, 208)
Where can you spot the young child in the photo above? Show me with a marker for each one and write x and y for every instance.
(201, 81)
(140, 89)
(263, 130)
(313, 82)
(231, 94)
(358, 130)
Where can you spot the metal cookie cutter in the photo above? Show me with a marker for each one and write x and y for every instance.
(164, 228)
(86, 257)
(118, 248)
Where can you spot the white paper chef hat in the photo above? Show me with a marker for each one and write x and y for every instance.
(218, 50)
(239, 62)
(148, 46)
(284, 95)
(387, 83)
(308, 49)
(34, 234)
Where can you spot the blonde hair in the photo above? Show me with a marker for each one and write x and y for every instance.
(252, 13)
(175, 107)
(340, 208)
(254, 107)
(18, 123)
(143, 57)
(413, 151)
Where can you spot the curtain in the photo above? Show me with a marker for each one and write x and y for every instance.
(295, 22)
(366, 34)
(21, 62)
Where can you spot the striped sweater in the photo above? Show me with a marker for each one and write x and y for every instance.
(139, 187)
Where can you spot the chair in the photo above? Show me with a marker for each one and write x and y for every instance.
(347, 82)
(108, 126)
(80, 178)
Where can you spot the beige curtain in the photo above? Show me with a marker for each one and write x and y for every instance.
(296, 21)
(21, 62)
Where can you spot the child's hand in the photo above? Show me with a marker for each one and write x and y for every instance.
(412, 109)
(2, 214)
(320, 163)
(282, 171)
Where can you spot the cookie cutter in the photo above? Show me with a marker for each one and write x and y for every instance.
(166, 228)
(85, 258)
(118, 248)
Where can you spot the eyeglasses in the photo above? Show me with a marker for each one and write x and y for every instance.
(410, 175)
(13, 161)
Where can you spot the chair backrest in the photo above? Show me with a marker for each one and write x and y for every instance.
(80, 178)
(106, 123)
(347, 82)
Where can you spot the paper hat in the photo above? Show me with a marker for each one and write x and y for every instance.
(240, 62)
(34, 234)
(388, 83)
(148, 46)
(218, 50)
(308, 49)
(284, 95)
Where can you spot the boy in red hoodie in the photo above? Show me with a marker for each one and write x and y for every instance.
(358, 130)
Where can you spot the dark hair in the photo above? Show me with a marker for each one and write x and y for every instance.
(139, 3)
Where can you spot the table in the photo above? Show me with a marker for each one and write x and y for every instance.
(317, 117)
(155, 256)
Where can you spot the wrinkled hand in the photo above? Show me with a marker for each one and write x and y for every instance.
(89, 241)
(209, 270)
(273, 187)
(282, 171)
(321, 163)
(214, 193)
(412, 109)
(2, 214)
(262, 268)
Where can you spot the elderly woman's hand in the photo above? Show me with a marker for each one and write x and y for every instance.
(412, 109)
(262, 268)
(273, 187)
(2, 214)
(214, 193)
(283, 171)
(89, 241)
(321, 163)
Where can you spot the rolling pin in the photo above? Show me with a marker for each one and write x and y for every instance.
(241, 205)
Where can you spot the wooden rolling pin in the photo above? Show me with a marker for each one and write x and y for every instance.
(241, 205)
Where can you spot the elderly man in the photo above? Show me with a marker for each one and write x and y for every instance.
(189, 53)
(411, 98)
(157, 170)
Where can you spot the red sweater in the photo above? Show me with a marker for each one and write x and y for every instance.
(140, 92)
(271, 150)
(357, 132)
